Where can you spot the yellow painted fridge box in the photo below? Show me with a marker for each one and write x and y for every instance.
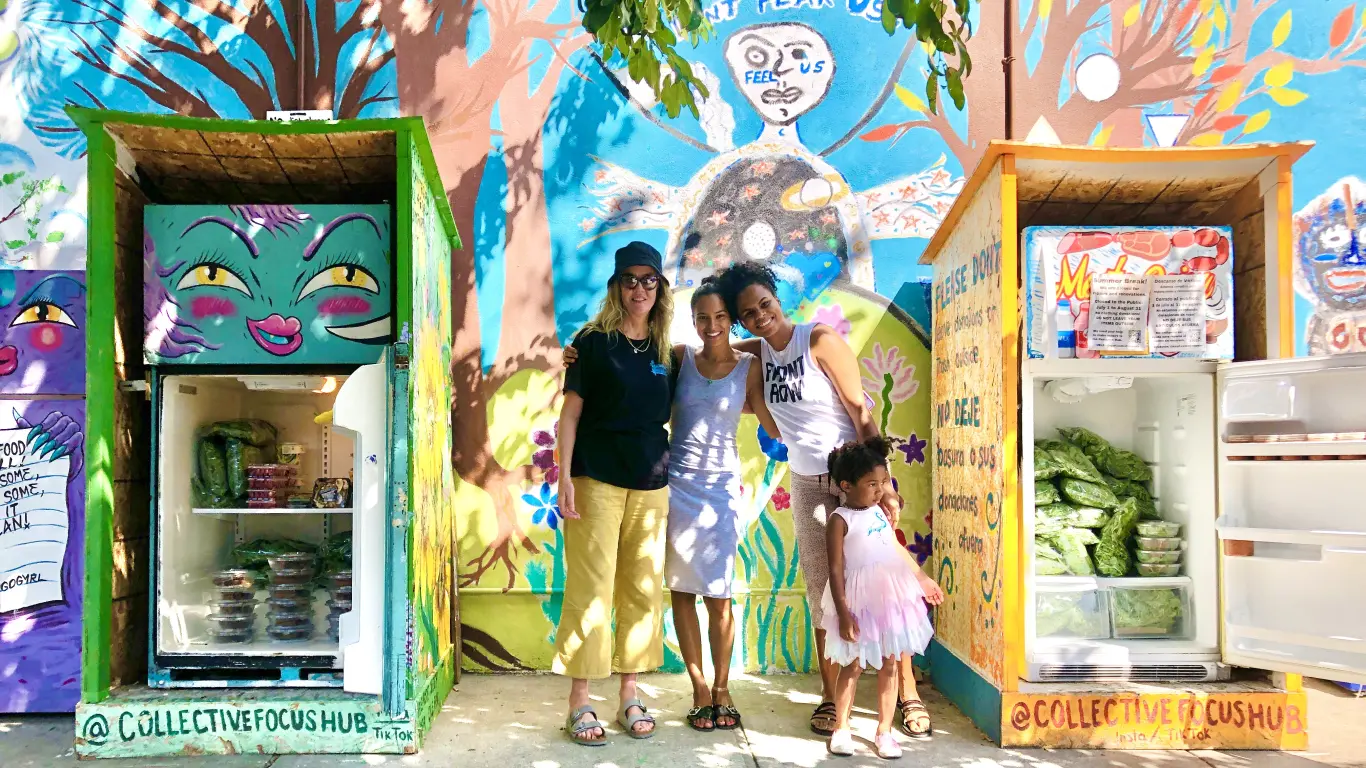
(269, 532)
(1123, 539)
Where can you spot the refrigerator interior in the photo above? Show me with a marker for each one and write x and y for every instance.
(1165, 412)
(194, 543)
(1293, 515)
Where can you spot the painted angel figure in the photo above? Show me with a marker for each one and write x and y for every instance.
(772, 199)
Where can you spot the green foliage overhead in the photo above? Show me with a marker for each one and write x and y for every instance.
(644, 34)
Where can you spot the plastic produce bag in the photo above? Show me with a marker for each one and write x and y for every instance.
(1109, 459)
(1047, 560)
(1087, 494)
(1071, 461)
(1123, 489)
(1045, 467)
(1045, 493)
(1071, 543)
(253, 554)
(1146, 611)
(1063, 615)
(1069, 516)
(1112, 553)
(250, 431)
(336, 552)
(241, 455)
(213, 469)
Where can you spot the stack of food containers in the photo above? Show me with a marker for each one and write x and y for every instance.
(1157, 548)
(233, 613)
(291, 603)
(340, 602)
(269, 486)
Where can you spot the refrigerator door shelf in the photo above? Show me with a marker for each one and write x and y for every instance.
(1293, 533)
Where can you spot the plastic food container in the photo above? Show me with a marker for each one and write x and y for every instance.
(1140, 611)
(341, 580)
(1145, 557)
(291, 620)
(233, 607)
(230, 635)
(334, 627)
(1159, 529)
(339, 606)
(291, 560)
(271, 470)
(1158, 544)
(290, 453)
(232, 623)
(289, 634)
(1157, 570)
(291, 591)
(233, 577)
(1070, 612)
(233, 594)
(294, 604)
(297, 577)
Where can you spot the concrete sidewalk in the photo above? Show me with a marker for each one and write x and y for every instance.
(508, 721)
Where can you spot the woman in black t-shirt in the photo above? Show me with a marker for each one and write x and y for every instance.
(615, 496)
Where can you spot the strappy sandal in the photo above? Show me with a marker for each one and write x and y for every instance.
(825, 713)
(628, 720)
(577, 729)
(702, 713)
(909, 709)
(725, 710)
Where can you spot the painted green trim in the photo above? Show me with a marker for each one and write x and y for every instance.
(101, 390)
(433, 695)
(398, 578)
(403, 229)
(967, 690)
(432, 174)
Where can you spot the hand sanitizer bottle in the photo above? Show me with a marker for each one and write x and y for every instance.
(1067, 334)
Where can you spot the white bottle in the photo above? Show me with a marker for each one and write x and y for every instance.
(1067, 334)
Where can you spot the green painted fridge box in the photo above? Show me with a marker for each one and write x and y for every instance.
(297, 273)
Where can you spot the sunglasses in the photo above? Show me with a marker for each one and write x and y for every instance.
(648, 282)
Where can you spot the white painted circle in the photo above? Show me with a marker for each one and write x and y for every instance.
(816, 193)
(759, 241)
(1098, 77)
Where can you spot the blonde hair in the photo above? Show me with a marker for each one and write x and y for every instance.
(612, 314)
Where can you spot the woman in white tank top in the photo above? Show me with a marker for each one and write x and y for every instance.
(813, 390)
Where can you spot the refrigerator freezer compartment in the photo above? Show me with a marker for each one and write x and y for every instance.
(1071, 609)
(1150, 609)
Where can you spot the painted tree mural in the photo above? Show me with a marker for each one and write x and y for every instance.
(461, 60)
(204, 58)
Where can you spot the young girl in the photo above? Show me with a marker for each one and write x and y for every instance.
(874, 604)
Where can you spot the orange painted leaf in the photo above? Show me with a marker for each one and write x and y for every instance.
(1187, 14)
(1225, 72)
(1229, 122)
(1203, 105)
(881, 133)
(1342, 26)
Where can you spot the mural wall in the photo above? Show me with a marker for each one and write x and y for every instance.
(814, 153)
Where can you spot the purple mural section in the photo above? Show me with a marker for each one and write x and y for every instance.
(42, 535)
(42, 332)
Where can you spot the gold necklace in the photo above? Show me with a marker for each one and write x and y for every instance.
(634, 348)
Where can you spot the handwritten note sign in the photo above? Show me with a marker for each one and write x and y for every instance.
(1119, 313)
(1178, 314)
(34, 523)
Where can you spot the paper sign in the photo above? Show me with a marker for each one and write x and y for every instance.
(33, 522)
(1119, 314)
(1178, 313)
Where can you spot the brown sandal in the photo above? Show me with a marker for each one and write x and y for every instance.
(909, 710)
(825, 713)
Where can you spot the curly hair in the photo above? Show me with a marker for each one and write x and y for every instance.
(733, 280)
(854, 459)
(710, 286)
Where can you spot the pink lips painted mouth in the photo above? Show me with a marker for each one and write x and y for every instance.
(277, 335)
(9, 360)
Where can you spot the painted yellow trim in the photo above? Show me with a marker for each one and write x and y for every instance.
(1287, 152)
(1294, 683)
(1285, 236)
(1012, 593)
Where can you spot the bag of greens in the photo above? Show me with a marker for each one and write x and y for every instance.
(1071, 461)
(1086, 494)
(1045, 493)
(1112, 553)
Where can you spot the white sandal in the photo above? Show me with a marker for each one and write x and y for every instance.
(842, 743)
(887, 747)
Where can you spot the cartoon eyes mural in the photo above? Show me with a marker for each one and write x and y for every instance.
(263, 284)
(43, 313)
(42, 343)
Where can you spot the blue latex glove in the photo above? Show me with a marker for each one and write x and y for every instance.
(771, 447)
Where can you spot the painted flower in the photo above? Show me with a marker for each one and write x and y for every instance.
(913, 449)
(545, 506)
(782, 499)
(890, 375)
(922, 548)
(546, 458)
(833, 316)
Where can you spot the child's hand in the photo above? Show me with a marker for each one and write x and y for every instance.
(933, 594)
(848, 627)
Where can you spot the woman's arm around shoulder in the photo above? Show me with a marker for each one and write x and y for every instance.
(837, 360)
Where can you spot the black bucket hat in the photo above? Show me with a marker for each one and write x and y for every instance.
(638, 254)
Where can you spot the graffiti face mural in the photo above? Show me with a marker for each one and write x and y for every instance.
(1330, 268)
(266, 284)
(42, 334)
(783, 70)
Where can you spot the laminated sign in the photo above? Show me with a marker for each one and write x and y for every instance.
(1129, 291)
(33, 521)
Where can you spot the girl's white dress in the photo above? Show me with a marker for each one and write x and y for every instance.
(882, 593)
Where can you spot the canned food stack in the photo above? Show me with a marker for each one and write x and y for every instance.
(290, 612)
(269, 486)
(1157, 548)
(339, 604)
(232, 614)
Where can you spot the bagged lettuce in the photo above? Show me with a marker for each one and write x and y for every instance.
(1071, 516)
(1146, 611)
(1071, 461)
(1045, 493)
(1123, 489)
(1112, 553)
(1062, 614)
(1045, 467)
(1071, 543)
(1047, 560)
(250, 431)
(1109, 459)
(1086, 494)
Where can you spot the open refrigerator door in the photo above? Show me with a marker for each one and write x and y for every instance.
(1292, 516)
(1119, 525)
